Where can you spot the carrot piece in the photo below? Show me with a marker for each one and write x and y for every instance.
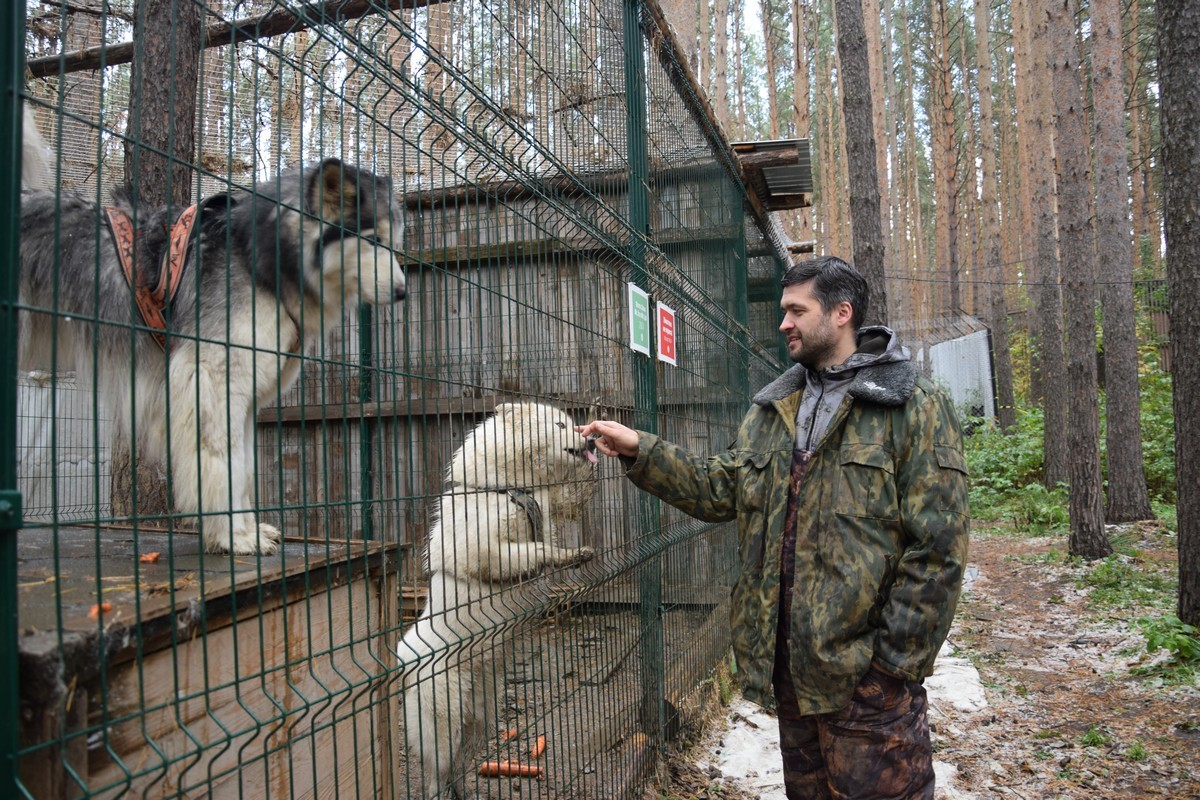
(539, 747)
(509, 769)
(508, 734)
(150, 558)
(98, 609)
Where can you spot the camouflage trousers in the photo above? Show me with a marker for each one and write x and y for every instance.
(877, 748)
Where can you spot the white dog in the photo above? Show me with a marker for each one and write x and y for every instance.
(518, 475)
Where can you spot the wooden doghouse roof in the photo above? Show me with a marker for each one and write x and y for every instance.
(779, 172)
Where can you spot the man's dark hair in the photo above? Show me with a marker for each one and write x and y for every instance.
(833, 281)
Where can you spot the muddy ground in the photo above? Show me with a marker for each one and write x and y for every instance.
(1067, 714)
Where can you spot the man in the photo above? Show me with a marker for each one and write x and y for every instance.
(849, 486)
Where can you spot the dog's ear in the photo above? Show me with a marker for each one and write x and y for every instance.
(505, 410)
(216, 205)
(333, 191)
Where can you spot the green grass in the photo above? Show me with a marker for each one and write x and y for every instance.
(1136, 752)
(1121, 583)
(1095, 737)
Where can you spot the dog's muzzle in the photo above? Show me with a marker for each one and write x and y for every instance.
(588, 451)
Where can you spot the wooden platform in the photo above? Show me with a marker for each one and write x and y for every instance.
(206, 675)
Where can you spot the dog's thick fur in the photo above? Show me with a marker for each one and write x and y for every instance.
(268, 276)
(35, 156)
(483, 548)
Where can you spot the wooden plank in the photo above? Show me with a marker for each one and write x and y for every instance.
(478, 407)
(154, 606)
(625, 644)
(625, 596)
(281, 703)
(243, 30)
(693, 664)
(412, 408)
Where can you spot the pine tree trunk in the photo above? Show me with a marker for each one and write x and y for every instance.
(739, 68)
(992, 270)
(945, 164)
(439, 139)
(874, 47)
(1128, 498)
(770, 20)
(1051, 344)
(1179, 76)
(801, 90)
(921, 302)
(897, 255)
(1078, 247)
(721, 63)
(970, 235)
(861, 155)
(1032, 151)
(1012, 197)
(832, 238)
(159, 157)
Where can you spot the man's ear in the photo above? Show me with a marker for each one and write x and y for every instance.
(843, 313)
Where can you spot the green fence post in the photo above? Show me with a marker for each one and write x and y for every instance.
(367, 420)
(12, 69)
(741, 271)
(645, 379)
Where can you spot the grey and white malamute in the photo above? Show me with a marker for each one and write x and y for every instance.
(269, 273)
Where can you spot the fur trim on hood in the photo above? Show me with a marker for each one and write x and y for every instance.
(883, 373)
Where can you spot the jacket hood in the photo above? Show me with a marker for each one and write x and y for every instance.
(882, 369)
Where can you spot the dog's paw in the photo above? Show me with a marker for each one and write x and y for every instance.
(580, 555)
(259, 539)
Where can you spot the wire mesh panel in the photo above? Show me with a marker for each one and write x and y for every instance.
(335, 534)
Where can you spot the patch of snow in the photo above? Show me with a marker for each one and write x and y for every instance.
(945, 783)
(955, 682)
(746, 751)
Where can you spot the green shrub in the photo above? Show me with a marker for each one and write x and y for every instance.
(1169, 633)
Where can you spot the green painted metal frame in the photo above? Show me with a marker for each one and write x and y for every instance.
(12, 68)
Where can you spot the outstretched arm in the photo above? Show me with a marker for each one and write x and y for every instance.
(700, 487)
(612, 438)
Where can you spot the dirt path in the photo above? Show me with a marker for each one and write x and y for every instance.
(1065, 718)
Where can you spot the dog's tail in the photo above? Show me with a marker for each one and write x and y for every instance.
(35, 155)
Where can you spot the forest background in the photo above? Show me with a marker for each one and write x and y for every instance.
(1019, 174)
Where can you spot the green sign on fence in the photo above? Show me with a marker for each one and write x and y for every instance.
(639, 319)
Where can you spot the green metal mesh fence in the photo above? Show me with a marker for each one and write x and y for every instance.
(542, 157)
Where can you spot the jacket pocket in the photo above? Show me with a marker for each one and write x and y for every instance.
(952, 479)
(754, 481)
(754, 488)
(866, 482)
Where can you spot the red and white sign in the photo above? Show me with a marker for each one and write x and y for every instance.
(666, 334)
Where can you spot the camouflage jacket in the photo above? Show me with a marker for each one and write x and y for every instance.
(882, 527)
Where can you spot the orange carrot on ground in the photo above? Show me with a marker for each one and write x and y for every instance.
(96, 610)
(508, 734)
(509, 769)
(539, 747)
(150, 558)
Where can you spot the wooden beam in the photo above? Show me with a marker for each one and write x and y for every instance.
(417, 407)
(243, 30)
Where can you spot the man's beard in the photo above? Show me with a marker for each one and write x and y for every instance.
(817, 347)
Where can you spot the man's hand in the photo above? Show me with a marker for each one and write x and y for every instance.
(612, 438)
